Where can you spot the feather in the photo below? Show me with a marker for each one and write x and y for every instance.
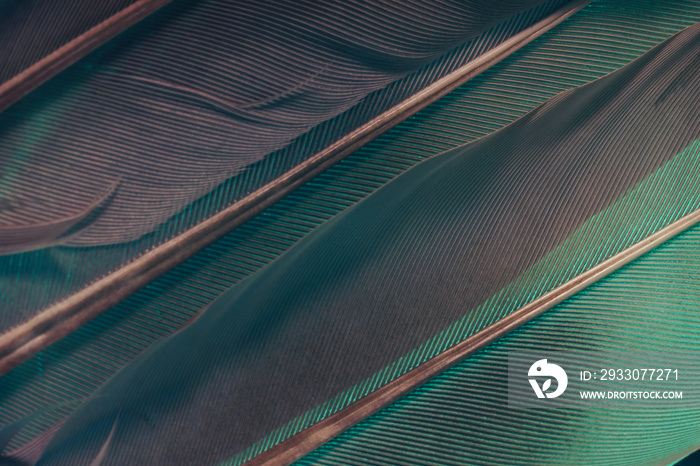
(647, 312)
(14, 239)
(461, 239)
(174, 125)
(59, 21)
(42, 37)
(34, 284)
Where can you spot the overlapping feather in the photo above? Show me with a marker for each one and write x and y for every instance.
(83, 152)
(465, 237)
(205, 89)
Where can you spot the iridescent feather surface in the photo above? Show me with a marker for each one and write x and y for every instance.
(460, 239)
(446, 249)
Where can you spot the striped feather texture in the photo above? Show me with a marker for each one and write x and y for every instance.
(31, 30)
(199, 91)
(34, 280)
(75, 367)
(444, 250)
(463, 417)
